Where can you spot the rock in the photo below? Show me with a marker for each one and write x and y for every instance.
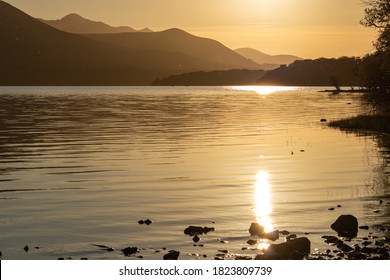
(196, 239)
(223, 251)
(26, 248)
(331, 209)
(366, 243)
(380, 201)
(252, 242)
(345, 248)
(256, 229)
(1, 254)
(197, 230)
(290, 249)
(172, 255)
(148, 222)
(273, 235)
(284, 232)
(141, 222)
(129, 251)
(83, 259)
(60, 259)
(364, 227)
(291, 236)
(346, 226)
(323, 120)
(339, 206)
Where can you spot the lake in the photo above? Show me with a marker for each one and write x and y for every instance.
(82, 165)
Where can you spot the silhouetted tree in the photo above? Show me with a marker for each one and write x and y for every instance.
(377, 15)
(376, 66)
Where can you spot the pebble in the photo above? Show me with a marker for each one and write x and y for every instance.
(141, 222)
(252, 242)
(331, 209)
(284, 232)
(339, 206)
(223, 251)
(376, 211)
(26, 248)
(323, 120)
(196, 239)
(148, 222)
(364, 227)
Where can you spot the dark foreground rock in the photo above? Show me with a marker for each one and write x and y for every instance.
(346, 226)
(172, 255)
(295, 249)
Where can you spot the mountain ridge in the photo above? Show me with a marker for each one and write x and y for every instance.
(263, 58)
(34, 53)
(74, 23)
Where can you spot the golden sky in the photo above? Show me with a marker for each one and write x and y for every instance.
(307, 28)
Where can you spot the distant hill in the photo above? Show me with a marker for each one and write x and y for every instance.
(177, 40)
(343, 71)
(34, 53)
(214, 78)
(74, 23)
(266, 59)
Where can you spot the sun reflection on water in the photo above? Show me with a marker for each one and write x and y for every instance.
(263, 90)
(263, 206)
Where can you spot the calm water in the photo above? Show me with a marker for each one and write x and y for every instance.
(80, 166)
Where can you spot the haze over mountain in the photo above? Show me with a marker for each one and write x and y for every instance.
(177, 40)
(74, 23)
(263, 58)
(34, 53)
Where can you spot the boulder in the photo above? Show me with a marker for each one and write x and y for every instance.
(346, 226)
(256, 229)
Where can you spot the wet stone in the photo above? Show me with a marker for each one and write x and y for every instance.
(26, 248)
(331, 209)
(284, 232)
(196, 239)
(346, 226)
(223, 251)
(364, 227)
(256, 229)
(129, 251)
(148, 222)
(141, 222)
(172, 255)
(252, 242)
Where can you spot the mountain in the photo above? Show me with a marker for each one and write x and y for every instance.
(177, 40)
(34, 53)
(263, 58)
(74, 23)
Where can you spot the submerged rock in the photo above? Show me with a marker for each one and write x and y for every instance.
(172, 255)
(196, 239)
(198, 230)
(26, 248)
(148, 222)
(346, 226)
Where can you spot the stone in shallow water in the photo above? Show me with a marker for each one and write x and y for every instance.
(129, 251)
(346, 226)
(293, 249)
(172, 255)
(256, 229)
(26, 248)
(196, 238)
